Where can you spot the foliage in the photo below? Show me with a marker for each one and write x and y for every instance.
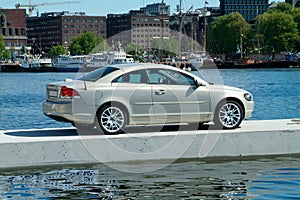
(101, 47)
(279, 31)
(85, 43)
(297, 21)
(226, 31)
(4, 53)
(282, 7)
(168, 48)
(135, 50)
(57, 50)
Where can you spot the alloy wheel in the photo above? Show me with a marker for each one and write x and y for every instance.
(230, 115)
(112, 120)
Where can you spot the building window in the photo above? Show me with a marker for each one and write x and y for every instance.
(23, 31)
(16, 32)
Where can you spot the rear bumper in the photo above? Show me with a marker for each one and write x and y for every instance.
(69, 112)
(58, 111)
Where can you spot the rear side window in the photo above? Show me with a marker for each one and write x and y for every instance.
(97, 74)
(139, 76)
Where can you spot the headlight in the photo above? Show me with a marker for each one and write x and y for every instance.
(248, 96)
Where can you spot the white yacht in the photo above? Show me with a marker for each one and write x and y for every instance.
(65, 63)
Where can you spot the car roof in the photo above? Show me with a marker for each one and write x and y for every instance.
(136, 66)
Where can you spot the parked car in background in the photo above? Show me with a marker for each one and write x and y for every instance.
(115, 96)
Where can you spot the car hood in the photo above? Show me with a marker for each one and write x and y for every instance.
(226, 88)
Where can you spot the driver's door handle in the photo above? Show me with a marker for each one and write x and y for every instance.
(160, 92)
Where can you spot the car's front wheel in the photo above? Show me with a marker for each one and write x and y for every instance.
(228, 115)
(112, 120)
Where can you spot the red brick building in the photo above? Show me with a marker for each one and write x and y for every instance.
(59, 28)
(13, 28)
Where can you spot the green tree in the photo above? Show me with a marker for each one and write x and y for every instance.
(4, 53)
(282, 7)
(168, 48)
(297, 21)
(279, 31)
(101, 47)
(85, 43)
(57, 50)
(135, 50)
(226, 32)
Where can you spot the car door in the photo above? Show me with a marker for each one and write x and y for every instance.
(176, 97)
(133, 90)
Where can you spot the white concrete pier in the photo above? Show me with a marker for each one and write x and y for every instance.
(43, 147)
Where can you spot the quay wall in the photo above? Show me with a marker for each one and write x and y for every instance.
(64, 146)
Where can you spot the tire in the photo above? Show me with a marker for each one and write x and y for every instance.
(112, 120)
(228, 115)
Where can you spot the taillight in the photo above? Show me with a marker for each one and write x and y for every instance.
(68, 93)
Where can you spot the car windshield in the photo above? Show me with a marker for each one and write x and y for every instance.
(97, 74)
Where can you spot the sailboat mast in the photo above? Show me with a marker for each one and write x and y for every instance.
(257, 32)
(204, 28)
(180, 27)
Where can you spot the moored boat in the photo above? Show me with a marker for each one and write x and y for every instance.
(65, 63)
(99, 60)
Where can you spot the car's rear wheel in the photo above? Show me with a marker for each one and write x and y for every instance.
(112, 120)
(228, 115)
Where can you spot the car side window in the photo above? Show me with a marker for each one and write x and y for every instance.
(169, 77)
(139, 76)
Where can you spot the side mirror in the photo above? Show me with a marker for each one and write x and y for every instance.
(197, 83)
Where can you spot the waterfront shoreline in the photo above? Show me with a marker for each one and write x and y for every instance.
(182, 65)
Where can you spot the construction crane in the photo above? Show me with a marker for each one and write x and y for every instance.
(31, 6)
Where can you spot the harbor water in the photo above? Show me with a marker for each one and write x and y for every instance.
(276, 94)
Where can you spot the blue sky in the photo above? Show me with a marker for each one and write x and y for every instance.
(103, 7)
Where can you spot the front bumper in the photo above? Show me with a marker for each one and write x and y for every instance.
(249, 107)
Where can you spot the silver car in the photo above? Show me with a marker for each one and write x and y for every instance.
(116, 96)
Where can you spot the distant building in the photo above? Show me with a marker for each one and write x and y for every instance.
(13, 28)
(59, 28)
(295, 3)
(156, 9)
(138, 26)
(249, 9)
(193, 22)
